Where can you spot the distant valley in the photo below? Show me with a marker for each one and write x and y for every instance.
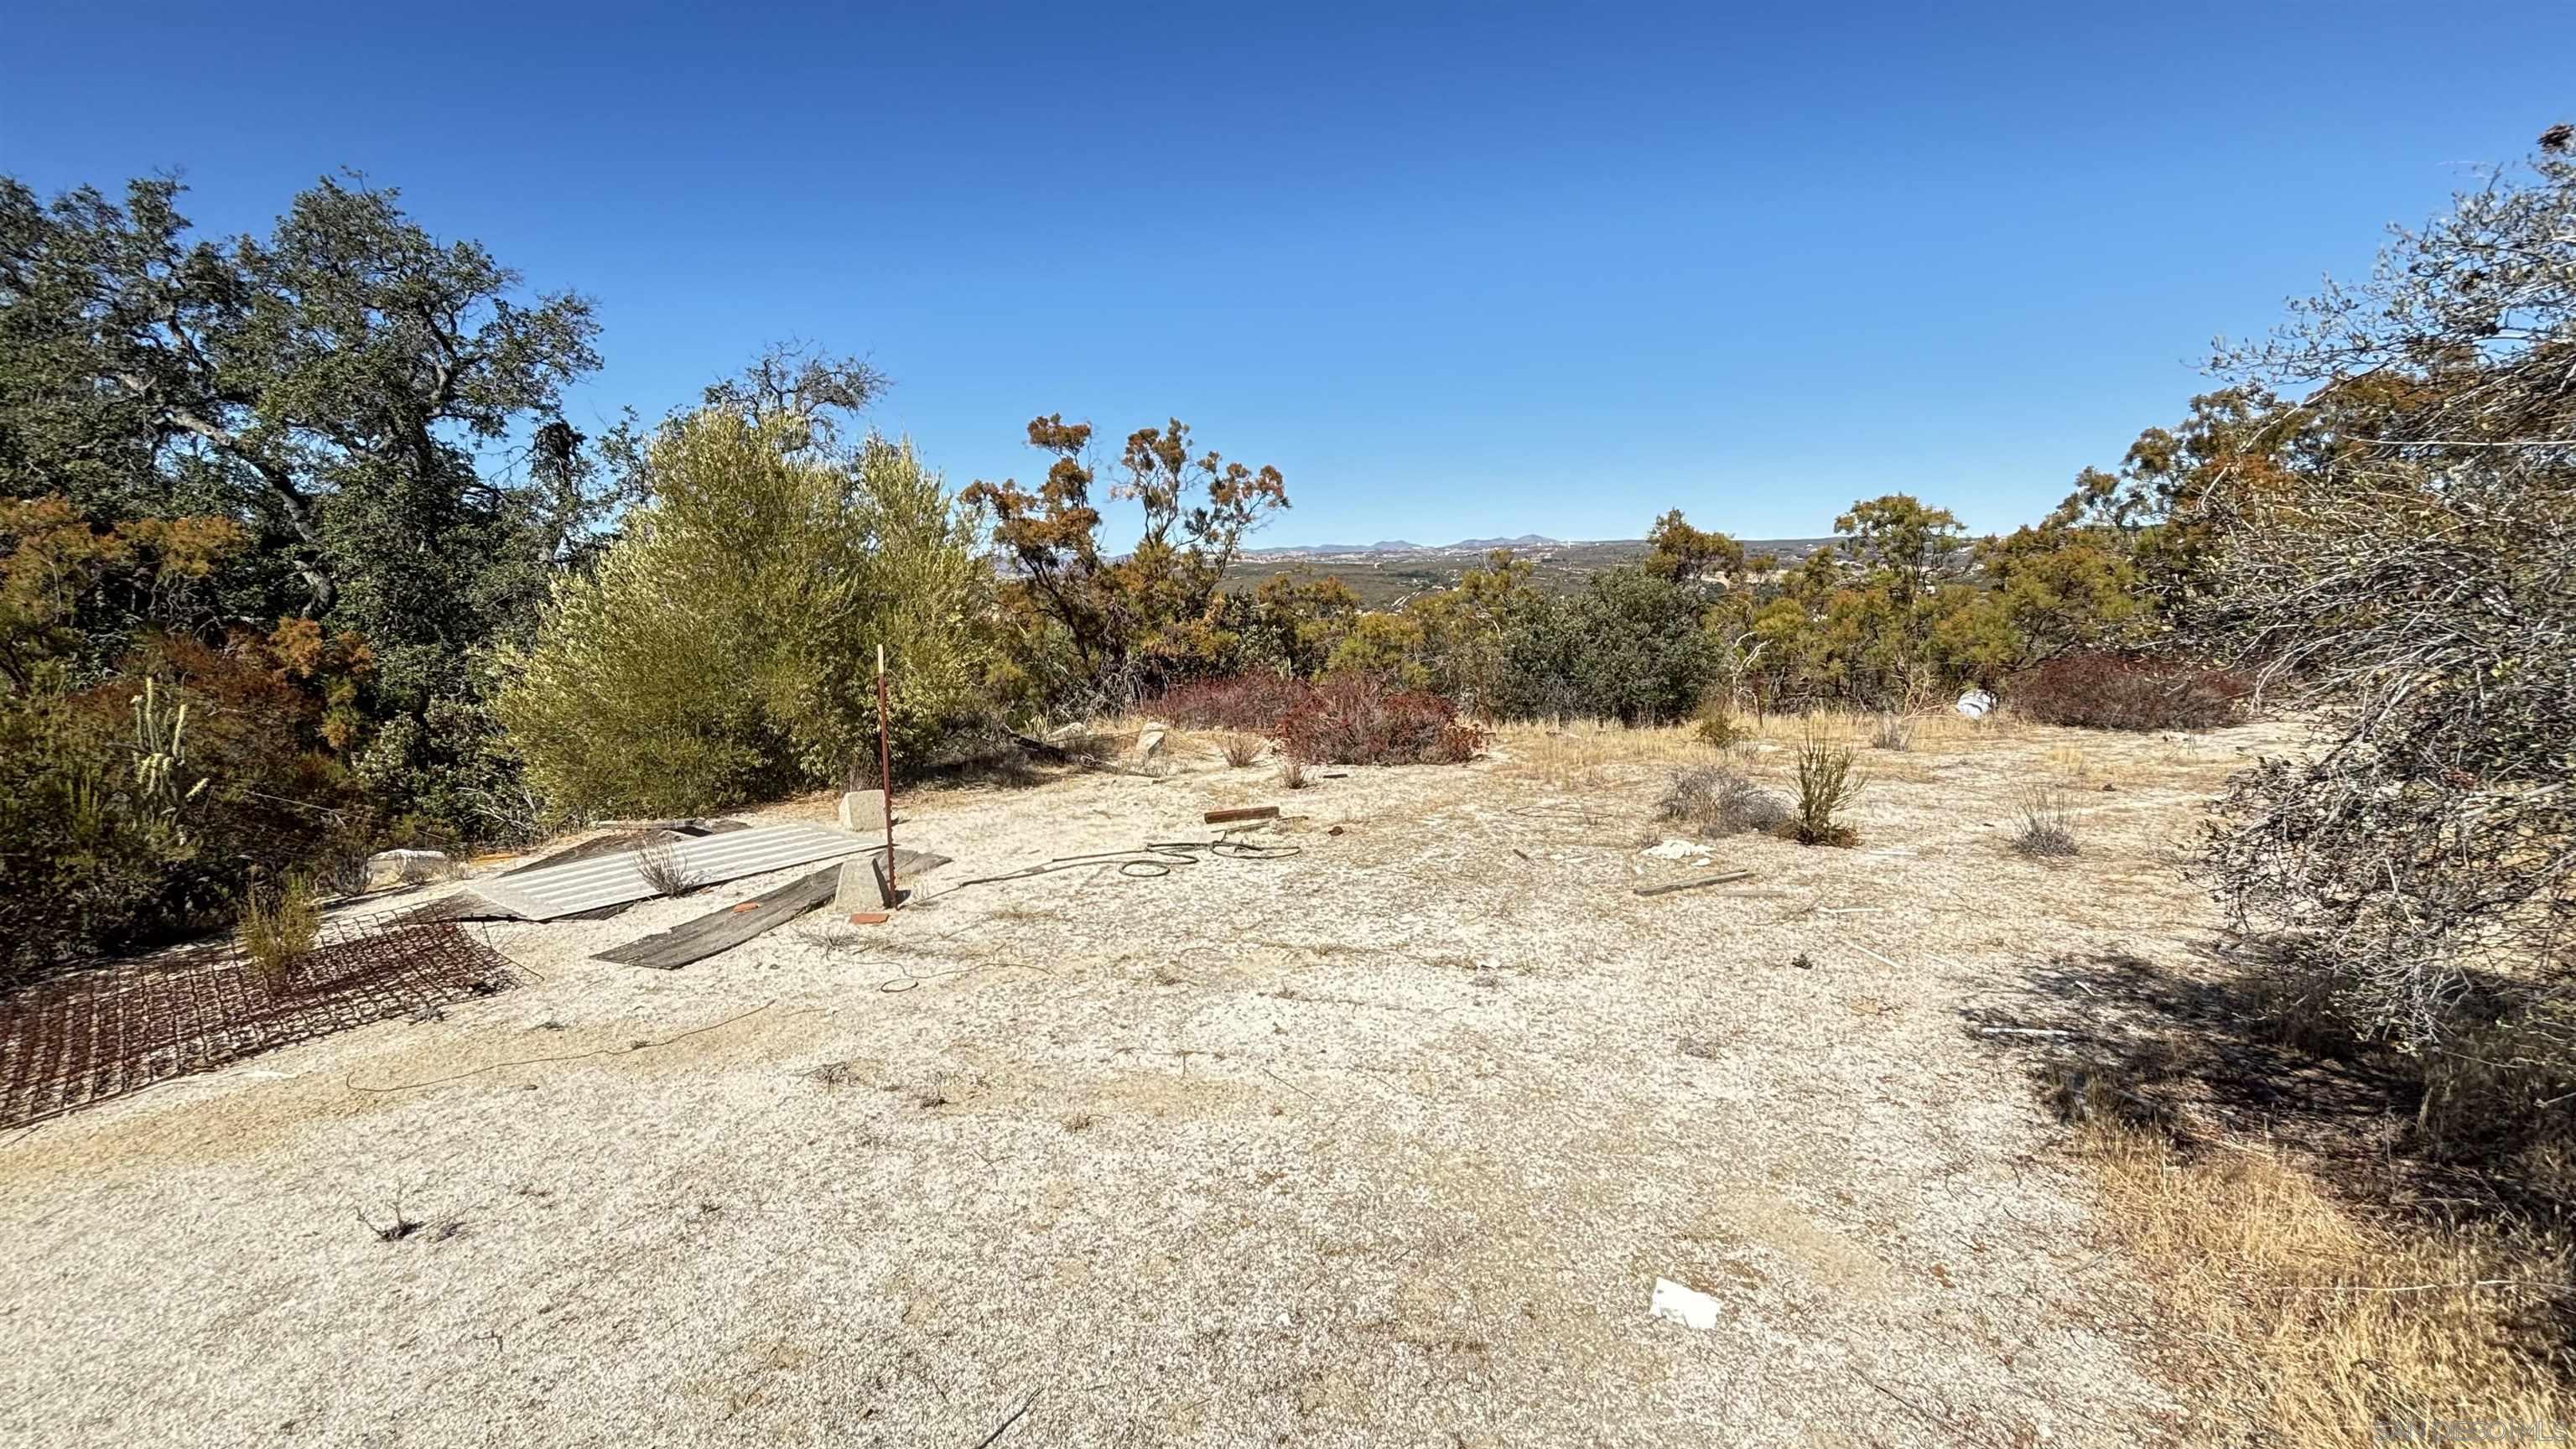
(1386, 573)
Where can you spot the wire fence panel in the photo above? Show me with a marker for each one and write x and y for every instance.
(79, 1039)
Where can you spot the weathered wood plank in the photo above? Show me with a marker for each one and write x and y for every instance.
(725, 929)
(1248, 812)
(1721, 878)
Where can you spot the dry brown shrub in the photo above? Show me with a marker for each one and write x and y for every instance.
(1719, 801)
(2047, 824)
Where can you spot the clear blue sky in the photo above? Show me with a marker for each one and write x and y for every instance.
(1455, 270)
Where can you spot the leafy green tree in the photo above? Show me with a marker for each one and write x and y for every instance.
(724, 650)
(1292, 623)
(1677, 551)
(335, 389)
(1453, 640)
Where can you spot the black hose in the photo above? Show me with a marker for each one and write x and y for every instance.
(1152, 860)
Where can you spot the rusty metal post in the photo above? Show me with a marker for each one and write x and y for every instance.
(885, 773)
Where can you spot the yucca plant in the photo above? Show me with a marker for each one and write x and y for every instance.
(161, 758)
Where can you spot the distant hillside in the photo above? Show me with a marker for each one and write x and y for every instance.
(1386, 574)
(1343, 550)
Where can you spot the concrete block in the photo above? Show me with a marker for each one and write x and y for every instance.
(404, 867)
(864, 810)
(862, 885)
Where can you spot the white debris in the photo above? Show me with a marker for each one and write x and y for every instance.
(1685, 1306)
(1976, 704)
(1677, 850)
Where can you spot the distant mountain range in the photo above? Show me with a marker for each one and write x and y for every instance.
(1397, 545)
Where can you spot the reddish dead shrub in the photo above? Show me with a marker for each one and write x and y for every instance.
(1252, 704)
(1344, 719)
(2109, 692)
(1354, 719)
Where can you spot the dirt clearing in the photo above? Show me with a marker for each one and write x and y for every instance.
(1385, 1141)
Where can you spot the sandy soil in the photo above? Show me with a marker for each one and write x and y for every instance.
(1383, 1143)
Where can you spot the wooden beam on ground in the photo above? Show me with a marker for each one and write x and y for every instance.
(725, 929)
(1668, 887)
(1248, 812)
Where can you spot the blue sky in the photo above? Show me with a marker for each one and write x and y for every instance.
(1455, 270)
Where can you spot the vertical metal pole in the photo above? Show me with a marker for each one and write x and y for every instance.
(885, 767)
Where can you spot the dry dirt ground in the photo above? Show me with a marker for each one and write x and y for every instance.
(1383, 1143)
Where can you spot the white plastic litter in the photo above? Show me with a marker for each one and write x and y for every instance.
(1976, 704)
(1677, 850)
(1685, 1306)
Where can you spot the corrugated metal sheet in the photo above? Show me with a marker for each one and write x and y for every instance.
(608, 880)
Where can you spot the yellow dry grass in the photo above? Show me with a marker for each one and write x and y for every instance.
(2310, 1326)
(1587, 754)
(1579, 753)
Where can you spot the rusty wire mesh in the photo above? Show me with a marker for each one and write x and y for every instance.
(77, 1040)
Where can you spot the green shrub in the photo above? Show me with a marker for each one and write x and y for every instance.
(79, 868)
(278, 928)
(1829, 781)
(1719, 729)
(725, 649)
(1629, 647)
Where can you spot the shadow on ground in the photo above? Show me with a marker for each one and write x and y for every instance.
(2201, 1050)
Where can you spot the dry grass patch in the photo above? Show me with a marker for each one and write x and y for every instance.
(2313, 1327)
(1588, 754)
(664, 870)
(2047, 824)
